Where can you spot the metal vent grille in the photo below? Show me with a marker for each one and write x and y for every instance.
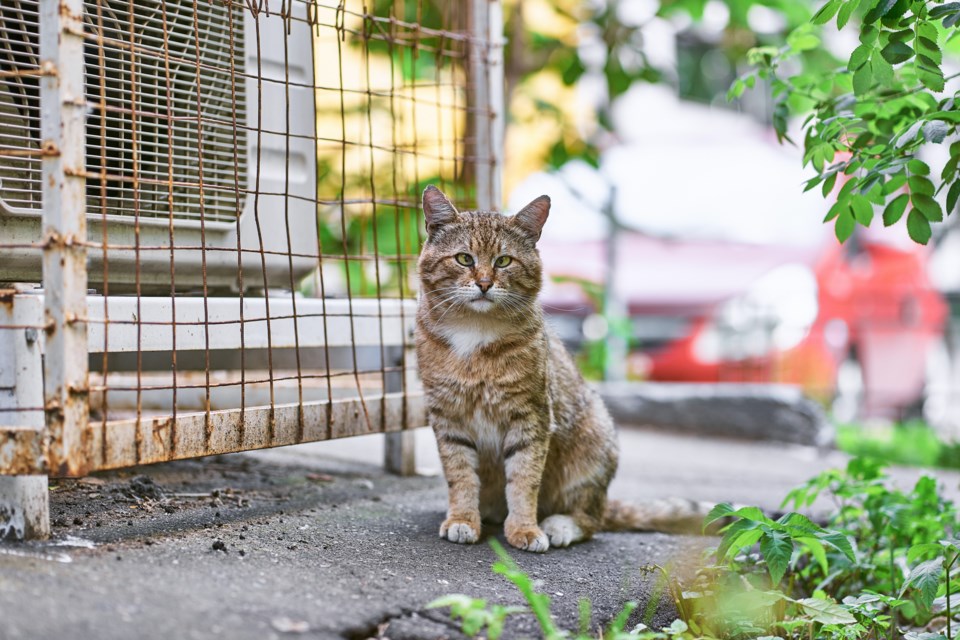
(167, 119)
(19, 104)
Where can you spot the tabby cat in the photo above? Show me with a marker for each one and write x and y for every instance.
(522, 439)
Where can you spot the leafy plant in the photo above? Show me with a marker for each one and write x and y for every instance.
(912, 443)
(869, 119)
(883, 565)
(475, 614)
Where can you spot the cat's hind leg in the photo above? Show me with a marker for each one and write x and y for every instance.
(573, 514)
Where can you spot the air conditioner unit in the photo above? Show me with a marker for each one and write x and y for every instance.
(221, 97)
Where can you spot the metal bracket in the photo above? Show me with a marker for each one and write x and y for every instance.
(24, 500)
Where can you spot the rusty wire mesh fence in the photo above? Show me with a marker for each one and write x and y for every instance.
(209, 217)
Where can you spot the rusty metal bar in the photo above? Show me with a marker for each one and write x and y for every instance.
(63, 124)
(164, 438)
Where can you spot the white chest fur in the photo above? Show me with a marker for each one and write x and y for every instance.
(465, 338)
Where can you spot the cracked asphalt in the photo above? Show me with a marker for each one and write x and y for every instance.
(315, 541)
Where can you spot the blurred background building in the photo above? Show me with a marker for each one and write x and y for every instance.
(681, 246)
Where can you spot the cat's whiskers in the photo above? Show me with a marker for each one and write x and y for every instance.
(426, 293)
(450, 292)
(458, 302)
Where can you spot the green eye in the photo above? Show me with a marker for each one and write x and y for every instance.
(465, 259)
(502, 261)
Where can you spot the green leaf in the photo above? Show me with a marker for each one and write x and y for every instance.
(930, 49)
(918, 227)
(828, 185)
(752, 513)
(776, 548)
(894, 184)
(840, 542)
(952, 197)
(895, 209)
(811, 183)
(826, 12)
(718, 512)
(732, 534)
(882, 70)
(896, 52)
(844, 225)
(843, 16)
(863, 80)
(826, 612)
(862, 210)
(925, 580)
(918, 550)
(930, 74)
(918, 167)
(835, 210)
(927, 206)
(920, 185)
(944, 10)
(816, 549)
(801, 40)
(859, 57)
(879, 10)
(798, 523)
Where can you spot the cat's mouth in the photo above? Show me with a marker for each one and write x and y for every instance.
(480, 303)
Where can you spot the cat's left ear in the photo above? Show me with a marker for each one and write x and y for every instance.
(437, 209)
(533, 216)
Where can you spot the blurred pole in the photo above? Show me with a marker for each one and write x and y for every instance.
(614, 310)
(485, 102)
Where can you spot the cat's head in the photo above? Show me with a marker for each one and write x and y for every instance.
(478, 262)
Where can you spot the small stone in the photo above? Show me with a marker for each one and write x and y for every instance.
(283, 624)
(218, 545)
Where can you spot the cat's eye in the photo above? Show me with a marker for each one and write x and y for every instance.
(502, 261)
(465, 259)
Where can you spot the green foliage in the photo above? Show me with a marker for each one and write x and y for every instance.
(911, 443)
(868, 119)
(881, 566)
(475, 614)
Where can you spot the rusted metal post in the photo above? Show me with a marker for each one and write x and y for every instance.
(24, 503)
(486, 94)
(64, 232)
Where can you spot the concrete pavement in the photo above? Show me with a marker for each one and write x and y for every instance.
(316, 542)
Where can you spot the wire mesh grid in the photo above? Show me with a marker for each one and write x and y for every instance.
(237, 183)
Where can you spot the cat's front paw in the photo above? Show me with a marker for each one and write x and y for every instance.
(460, 530)
(527, 538)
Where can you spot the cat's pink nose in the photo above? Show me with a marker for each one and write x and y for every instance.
(484, 284)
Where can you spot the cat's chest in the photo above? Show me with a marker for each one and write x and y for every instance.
(465, 339)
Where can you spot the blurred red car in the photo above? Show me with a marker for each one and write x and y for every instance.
(858, 326)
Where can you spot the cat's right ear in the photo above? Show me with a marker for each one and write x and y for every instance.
(437, 209)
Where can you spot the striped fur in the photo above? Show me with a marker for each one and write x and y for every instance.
(522, 439)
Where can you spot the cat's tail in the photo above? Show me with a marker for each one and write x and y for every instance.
(673, 515)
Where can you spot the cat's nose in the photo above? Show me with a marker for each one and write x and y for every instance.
(484, 284)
